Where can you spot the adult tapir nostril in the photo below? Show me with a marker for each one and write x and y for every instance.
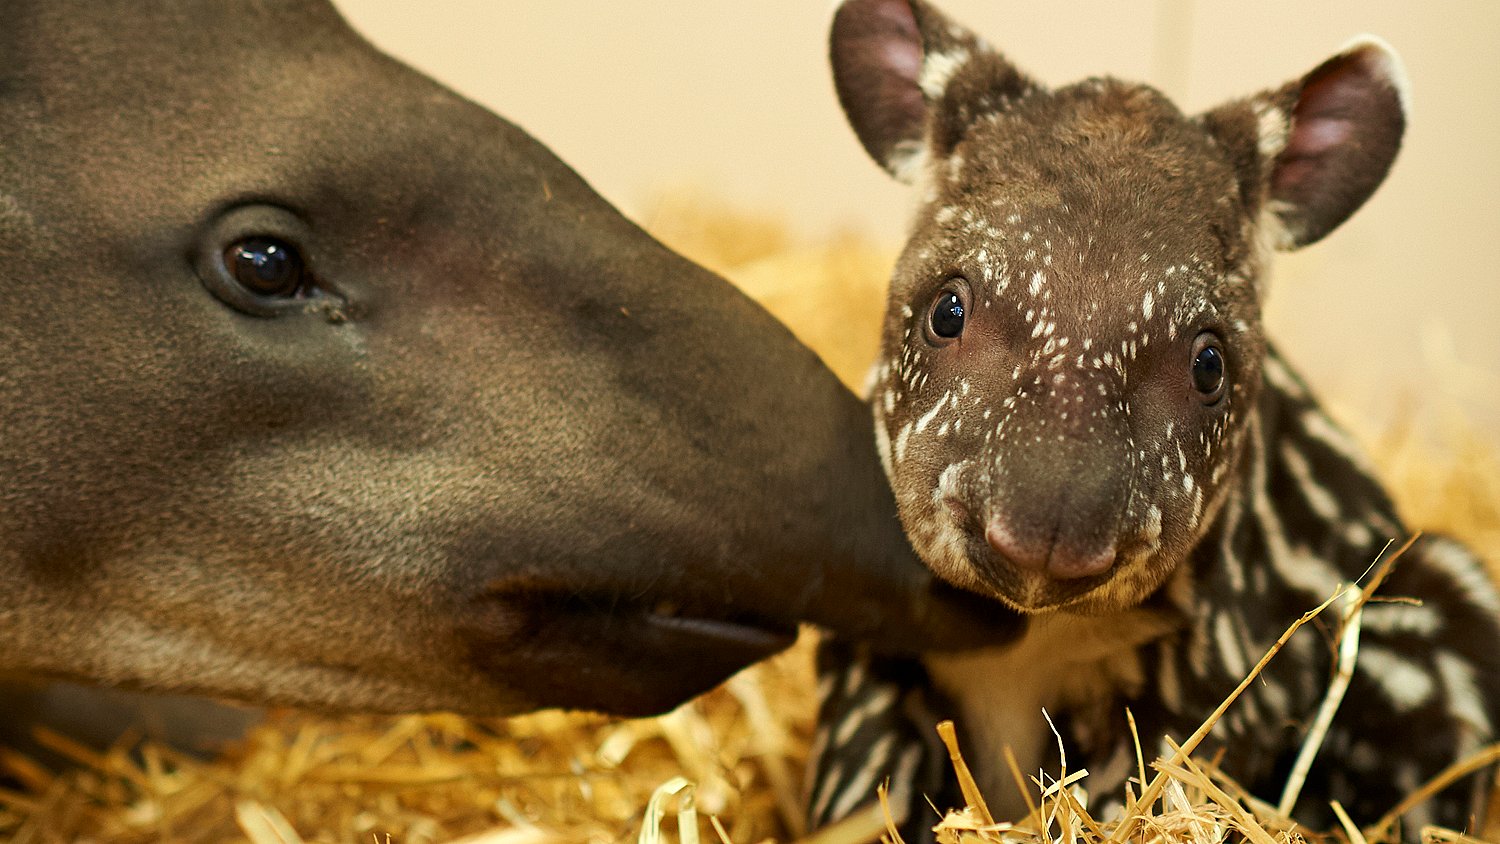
(1054, 557)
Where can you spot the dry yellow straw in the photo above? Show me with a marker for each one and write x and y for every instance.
(861, 827)
(1033, 814)
(264, 825)
(656, 809)
(1153, 791)
(1205, 783)
(1449, 775)
(965, 777)
(1353, 611)
(1355, 836)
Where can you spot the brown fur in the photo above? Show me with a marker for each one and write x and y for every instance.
(1054, 425)
(1097, 233)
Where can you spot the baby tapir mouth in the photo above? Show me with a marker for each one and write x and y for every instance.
(633, 656)
(1050, 554)
(1029, 590)
(1036, 571)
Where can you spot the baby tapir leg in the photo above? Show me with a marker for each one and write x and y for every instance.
(876, 724)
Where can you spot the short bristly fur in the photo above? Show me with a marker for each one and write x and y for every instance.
(1057, 453)
(506, 452)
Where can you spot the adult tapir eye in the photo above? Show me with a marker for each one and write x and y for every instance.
(266, 266)
(255, 259)
(1208, 367)
(945, 321)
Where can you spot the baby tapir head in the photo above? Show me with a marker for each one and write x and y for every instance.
(1073, 346)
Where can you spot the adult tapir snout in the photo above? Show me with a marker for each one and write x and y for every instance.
(321, 385)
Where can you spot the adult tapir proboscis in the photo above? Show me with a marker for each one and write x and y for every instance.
(321, 385)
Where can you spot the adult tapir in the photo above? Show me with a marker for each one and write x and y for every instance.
(321, 385)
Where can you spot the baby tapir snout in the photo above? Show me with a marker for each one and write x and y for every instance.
(1052, 485)
(1060, 478)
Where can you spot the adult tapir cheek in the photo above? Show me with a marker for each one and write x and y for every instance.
(770, 506)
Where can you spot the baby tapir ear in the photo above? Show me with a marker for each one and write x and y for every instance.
(1319, 146)
(893, 64)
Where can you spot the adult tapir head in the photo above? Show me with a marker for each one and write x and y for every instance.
(322, 385)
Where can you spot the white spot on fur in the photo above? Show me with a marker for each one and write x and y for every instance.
(1230, 650)
(1415, 619)
(907, 160)
(858, 787)
(1153, 526)
(1405, 683)
(1466, 572)
(903, 437)
(1271, 129)
(938, 69)
(930, 415)
(1464, 698)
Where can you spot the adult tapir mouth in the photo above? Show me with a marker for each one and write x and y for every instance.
(635, 655)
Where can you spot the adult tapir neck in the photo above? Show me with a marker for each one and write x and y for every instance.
(520, 451)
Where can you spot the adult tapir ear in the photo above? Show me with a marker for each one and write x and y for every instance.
(911, 81)
(1315, 149)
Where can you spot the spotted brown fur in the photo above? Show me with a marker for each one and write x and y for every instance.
(1058, 454)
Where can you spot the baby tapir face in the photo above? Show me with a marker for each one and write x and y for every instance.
(1056, 388)
(1073, 345)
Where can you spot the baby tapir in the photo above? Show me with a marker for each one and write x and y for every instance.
(1081, 416)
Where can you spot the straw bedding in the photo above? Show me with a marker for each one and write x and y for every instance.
(727, 766)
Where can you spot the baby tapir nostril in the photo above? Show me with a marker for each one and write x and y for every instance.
(1029, 556)
(1066, 564)
(1056, 559)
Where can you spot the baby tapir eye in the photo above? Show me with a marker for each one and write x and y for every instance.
(1208, 367)
(946, 320)
(266, 266)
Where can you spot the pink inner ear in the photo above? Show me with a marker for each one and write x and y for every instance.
(1303, 159)
(876, 51)
(900, 47)
(1346, 128)
(904, 58)
(1323, 121)
(1320, 134)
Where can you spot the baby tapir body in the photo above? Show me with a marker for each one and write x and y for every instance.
(1081, 416)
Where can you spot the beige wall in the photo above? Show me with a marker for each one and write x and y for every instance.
(642, 94)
